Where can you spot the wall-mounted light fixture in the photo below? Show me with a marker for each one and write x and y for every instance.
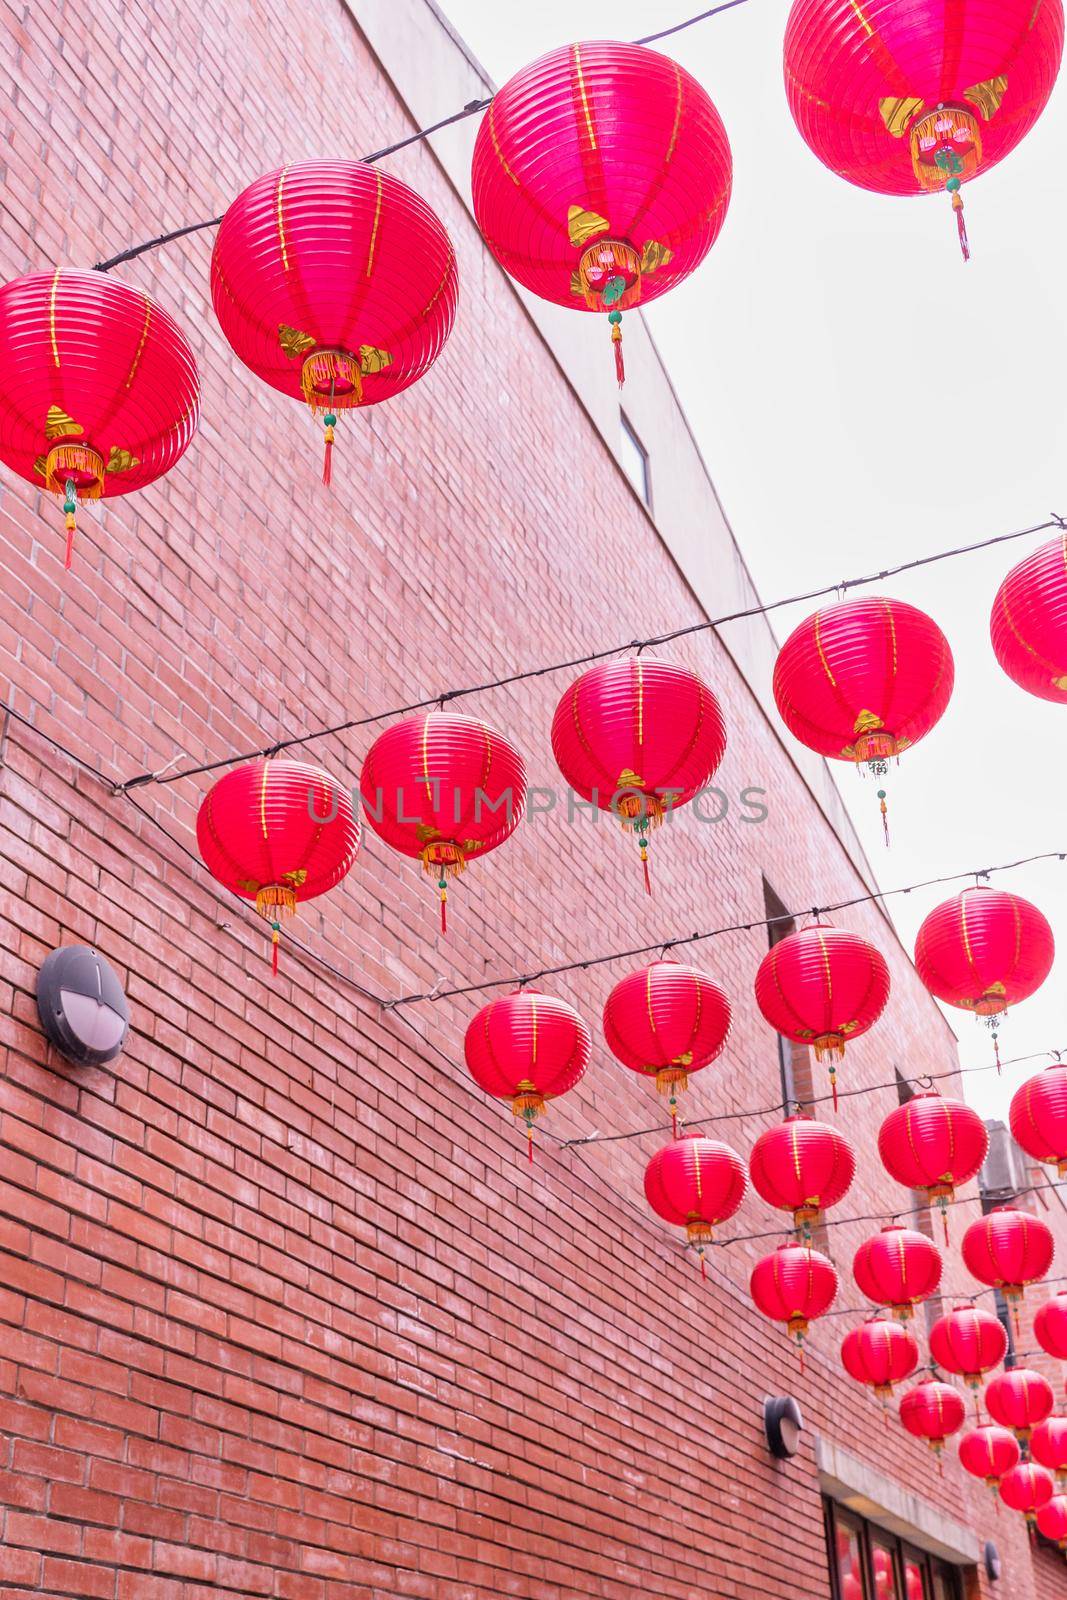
(82, 1007)
(783, 1423)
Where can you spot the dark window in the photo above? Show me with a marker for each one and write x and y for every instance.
(634, 458)
(867, 1563)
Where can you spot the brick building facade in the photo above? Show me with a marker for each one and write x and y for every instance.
(284, 1312)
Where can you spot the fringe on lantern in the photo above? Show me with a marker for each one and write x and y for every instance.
(331, 380)
(639, 811)
(957, 206)
(64, 460)
(829, 1047)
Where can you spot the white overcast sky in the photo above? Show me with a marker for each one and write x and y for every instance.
(861, 397)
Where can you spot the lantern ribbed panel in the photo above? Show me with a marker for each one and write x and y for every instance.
(802, 1164)
(794, 1284)
(1027, 1487)
(988, 1452)
(1052, 1519)
(84, 359)
(1048, 1444)
(844, 60)
(617, 132)
(334, 255)
(898, 1267)
(880, 1353)
(984, 950)
(968, 1341)
(1007, 1248)
(525, 1042)
(822, 981)
(638, 725)
(666, 1015)
(932, 1142)
(1050, 1326)
(863, 667)
(933, 1411)
(1038, 1117)
(255, 829)
(1028, 623)
(693, 1180)
(1019, 1399)
(443, 783)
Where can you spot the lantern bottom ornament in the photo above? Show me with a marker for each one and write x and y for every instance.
(76, 471)
(332, 381)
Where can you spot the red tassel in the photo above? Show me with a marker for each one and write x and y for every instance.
(703, 1267)
(444, 909)
(961, 226)
(68, 559)
(800, 1351)
(996, 1049)
(529, 1143)
(833, 1086)
(644, 863)
(275, 941)
(944, 1222)
(885, 816)
(616, 339)
(674, 1121)
(327, 459)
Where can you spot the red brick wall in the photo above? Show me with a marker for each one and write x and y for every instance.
(284, 1311)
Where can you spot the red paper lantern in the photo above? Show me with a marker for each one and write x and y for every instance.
(821, 986)
(933, 1144)
(933, 1411)
(667, 1021)
(983, 951)
(1028, 623)
(1027, 1488)
(335, 283)
(1048, 1446)
(443, 789)
(695, 1183)
(528, 1048)
(1007, 1249)
(99, 392)
(1019, 1400)
(988, 1452)
(880, 1353)
(862, 681)
(1052, 1520)
(898, 1268)
(639, 738)
(802, 1166)
(905, 99)
(794, 1284)
(277, 832)
(1039, 1117)
(1050, 1326)
(601, 177)
(969, 1342)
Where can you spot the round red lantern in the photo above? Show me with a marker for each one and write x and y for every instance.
(638, 738)
(1052, 1520)
(99, 392)
(794, 1284)
(277, 832)
(1027, 1488)
(695, 1183)
(933, 1411)
(335, 283)
(984, 951)
(1007, 1249)
(1048, 1446)
(822, 986)
(898, 1268)
(880, 1353)
(1050, 1325)
(667, 1021)
(1039, 1117)
(969, 1342)
(1028, 624)
(802, 1166)
(528, 1048)
(1019, 1400)
(862, 681)
(601, 177)
(933, 1144)
(443, 789)
(988, 1452)
(906, 99)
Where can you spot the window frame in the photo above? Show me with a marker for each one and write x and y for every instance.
(900, 1549)
(630, 435)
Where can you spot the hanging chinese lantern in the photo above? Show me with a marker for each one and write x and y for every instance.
(933, 1411)
(601, 177)
(639, 738)
(1050, 1326)
(879, 1354)
(1028, 623)
(528, 1048)
(988, 1452)
(99, 392)
(277, 832)
(1038, 1117)
(802, 1166)
(444, 790)
(667, 1021)
(983, 951)
(906, 99)
(969, 1342)
(822, 986)
(1019, 1400)
(1052, 1520)
(335, 283)
(862, 681)
(1048, 1446)
(898, 1268)
(933, 1144)
(695, 1183)
(1007, 1249)
(1027, 1488)
(794, 1284)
